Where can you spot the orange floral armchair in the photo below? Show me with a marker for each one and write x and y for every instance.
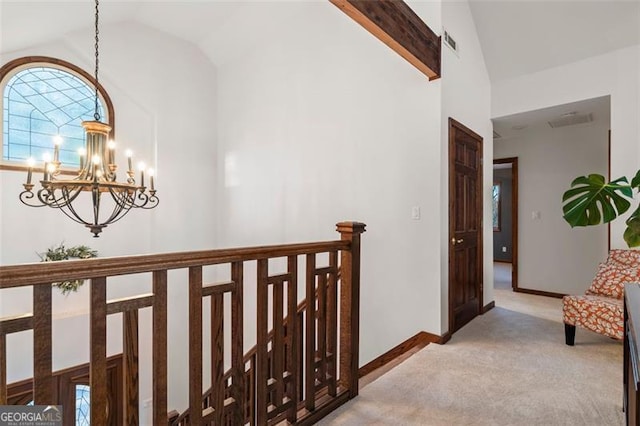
(600, 309)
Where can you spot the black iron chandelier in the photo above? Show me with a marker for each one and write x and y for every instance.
(110, 200)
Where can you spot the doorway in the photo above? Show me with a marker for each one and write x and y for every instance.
(505, 222)
(465, 225)
(554, 145)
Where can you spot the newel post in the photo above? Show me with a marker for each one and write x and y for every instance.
(350, 306)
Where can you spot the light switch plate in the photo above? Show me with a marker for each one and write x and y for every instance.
(415, 213)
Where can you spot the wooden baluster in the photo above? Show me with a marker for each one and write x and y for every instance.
(262, 365)
(239, 387)
(310, 332)
(195, 344)
(292, 327)
(322, 328)
(277, 344)
(42, 346)
(217, 356)
(251, 392)
(3, 368)
(301, 342)
(159, 346)
(98, 351)
(332, 322)
(350, 306)
(131, 372)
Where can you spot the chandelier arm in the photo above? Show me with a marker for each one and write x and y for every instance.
(67, 207)
(95, 197)
(48, 197)
(141, 200)
(145, 199)
(122, 206)
(26, 197)
(119, 209)
(45, 196)
(117, 216)
(152, 203)
(122, 198)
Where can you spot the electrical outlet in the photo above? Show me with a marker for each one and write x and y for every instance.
(147, 402)
(504, 249)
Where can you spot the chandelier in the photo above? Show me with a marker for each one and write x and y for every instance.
(93, 197)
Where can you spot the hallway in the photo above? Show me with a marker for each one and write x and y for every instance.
(507, 367)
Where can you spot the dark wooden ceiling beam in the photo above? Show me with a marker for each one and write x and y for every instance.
(398, 26)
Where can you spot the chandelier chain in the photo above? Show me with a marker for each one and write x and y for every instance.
(96, 115)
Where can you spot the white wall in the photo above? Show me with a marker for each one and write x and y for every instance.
(164, 94)
(554, 257)
(317, 143)
(466, 97)
(616, 74)
(324, 123)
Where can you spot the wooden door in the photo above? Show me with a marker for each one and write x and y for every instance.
(465, 225)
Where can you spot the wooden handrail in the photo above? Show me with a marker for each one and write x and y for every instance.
(44, 272)
(296, 371)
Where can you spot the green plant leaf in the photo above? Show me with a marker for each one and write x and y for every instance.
(60, 252)
(592, 201)
(635, 182)
(632, 233)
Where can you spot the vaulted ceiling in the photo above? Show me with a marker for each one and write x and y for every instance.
(517, 36)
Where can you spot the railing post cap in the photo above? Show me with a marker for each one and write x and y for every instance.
(351, 227)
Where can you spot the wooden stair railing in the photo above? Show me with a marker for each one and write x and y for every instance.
(294, 376)
(176, 419)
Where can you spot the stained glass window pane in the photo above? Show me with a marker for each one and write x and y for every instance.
(41, 102)
(83, 405)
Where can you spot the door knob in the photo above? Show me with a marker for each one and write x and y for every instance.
(454, 241)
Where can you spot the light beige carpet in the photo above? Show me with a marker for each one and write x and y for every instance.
(503, 368)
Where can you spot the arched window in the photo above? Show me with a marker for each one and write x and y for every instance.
(43, 99)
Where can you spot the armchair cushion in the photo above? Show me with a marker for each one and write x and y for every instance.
(624, 258)
(610, 279)
(601, 314)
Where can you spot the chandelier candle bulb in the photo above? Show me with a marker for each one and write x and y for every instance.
(81, 153)
(129, 155)
(151, 173)
(57, 141)
(111, 145)
(30, 163)
(46, 159)
(96, 162)
(141, 166)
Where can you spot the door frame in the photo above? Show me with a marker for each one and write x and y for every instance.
(453, 124)
(514, 217)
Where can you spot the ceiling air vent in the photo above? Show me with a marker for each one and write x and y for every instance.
(496, 135)
(449, 41)
(571, 119)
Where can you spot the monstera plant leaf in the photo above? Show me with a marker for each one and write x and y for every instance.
(632, 233)
(591, 200)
